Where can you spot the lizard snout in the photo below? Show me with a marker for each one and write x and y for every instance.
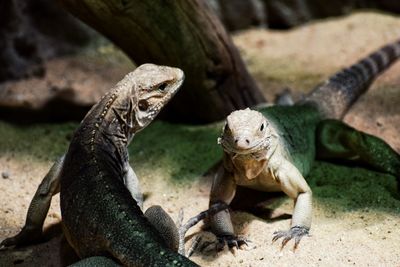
(242, 143)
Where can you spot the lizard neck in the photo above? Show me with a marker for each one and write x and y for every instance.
(105, 128)
(250, 165)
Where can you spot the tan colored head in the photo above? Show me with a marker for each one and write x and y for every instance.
(154, 86)
(141, 95)
(246, 131)
(138, 98)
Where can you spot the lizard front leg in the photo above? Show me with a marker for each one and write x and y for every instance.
(295, 186)
(223, 190)
(174, 237)
(155, 214)
(132, 183)
(38, 208)
(164, 224)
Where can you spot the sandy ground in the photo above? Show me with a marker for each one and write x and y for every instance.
(350, 226)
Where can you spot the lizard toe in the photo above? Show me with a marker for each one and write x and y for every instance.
(296, 232)
(232, 241)
(278, 234)
(23, 238)
(285, 240)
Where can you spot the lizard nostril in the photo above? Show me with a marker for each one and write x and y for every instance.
(247, 141)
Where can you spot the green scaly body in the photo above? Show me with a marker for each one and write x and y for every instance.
(273, 149)
(297, 126)
(99, 191)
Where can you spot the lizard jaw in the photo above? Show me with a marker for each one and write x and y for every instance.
(154, 101)
(256, 149)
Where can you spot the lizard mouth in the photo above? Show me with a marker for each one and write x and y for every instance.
(153, 110)
(255, 150)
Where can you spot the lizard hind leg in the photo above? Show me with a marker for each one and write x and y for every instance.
(95, 261)
(337, 140)
(38, 208)
(164, 225)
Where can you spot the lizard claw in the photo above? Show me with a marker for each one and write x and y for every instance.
(209, 243)
(232, 241)
(296, 232)
(23, 238)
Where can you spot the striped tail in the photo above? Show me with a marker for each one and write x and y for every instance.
(340, 91)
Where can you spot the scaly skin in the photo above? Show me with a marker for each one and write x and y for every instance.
(273, 149)
(100, 194)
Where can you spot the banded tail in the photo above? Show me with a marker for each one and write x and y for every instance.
(340, 91)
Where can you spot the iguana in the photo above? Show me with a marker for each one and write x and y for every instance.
(99, 192)
(273, 149)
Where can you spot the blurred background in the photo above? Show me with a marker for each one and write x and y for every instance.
(53, 67)
(57, 58)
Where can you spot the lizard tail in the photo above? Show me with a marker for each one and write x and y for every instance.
(341, 90)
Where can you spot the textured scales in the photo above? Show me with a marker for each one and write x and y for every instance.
(341, 90)
(273, 149)
(99, 191)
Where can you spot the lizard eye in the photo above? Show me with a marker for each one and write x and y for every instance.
(143, 105)
(262, 127)
(162, 86)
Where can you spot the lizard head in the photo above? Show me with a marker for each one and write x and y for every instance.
(245, 132)
(153, 87)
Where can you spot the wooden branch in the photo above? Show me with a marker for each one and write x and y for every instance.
(181, 33)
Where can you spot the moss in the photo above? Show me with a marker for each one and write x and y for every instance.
(42, 141)
(343, 188)
(183, 153)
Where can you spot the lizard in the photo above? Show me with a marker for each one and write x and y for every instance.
(100, 198)
(272, 149)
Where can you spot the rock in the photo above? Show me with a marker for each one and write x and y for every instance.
(69, 88)
(27, 38)
(5, 175)
(239, 14)
(284, 14)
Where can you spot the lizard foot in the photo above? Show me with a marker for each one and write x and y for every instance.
(232, 241)
(208, 243)
(296, 232)
(23, 238)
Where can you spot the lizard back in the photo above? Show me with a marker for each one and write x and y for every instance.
(296, 129)
(99, 213)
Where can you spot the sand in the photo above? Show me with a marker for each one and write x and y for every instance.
(356, 216)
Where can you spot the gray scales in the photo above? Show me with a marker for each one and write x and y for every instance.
(100, 194)
(273, 148)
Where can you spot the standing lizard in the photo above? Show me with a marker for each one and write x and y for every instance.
(100, 195)
(273, 149)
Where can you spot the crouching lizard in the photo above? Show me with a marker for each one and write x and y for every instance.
(99, 191)
(273, 149)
